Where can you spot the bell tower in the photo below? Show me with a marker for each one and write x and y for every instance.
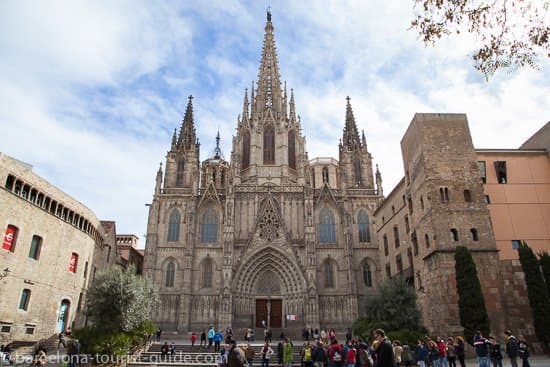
(182, 161)
(354, 159)
(269, 145)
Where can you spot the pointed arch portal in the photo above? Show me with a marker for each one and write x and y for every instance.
(272, 284)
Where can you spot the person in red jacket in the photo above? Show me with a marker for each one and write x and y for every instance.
(443, 362)
(193, 340)
(335, 354)
(351, 356)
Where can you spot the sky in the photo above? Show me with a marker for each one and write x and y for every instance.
(91, 91)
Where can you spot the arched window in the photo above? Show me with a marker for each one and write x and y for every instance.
(245, 159)
(325, 174)
(357, 172)
(454, 234)
(209, 226)
(467, 196)
(329, 274)
(170, 274)
(269, 145)
(207, 273)
(363, 226)
(291, 150)
(427, 240)
(367, 275)
(179, 173)
(174, 226)
(327, 226)
(474, 234)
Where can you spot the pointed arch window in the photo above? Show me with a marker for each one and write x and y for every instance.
(209, 226)
(207, 273)
(174, 226)
(246, 150)
(170, 274)
(291, 150)
(269, 145)
(330, 281)
(363, 226)
(325, 175)
(327, 226)
(357, 172)
(367, 275)
(179, 173)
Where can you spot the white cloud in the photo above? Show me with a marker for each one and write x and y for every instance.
(92, 91)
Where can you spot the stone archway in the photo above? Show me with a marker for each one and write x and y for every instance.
(268, 281)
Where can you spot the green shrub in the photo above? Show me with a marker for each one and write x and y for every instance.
(409, 337)
(364, 327)
(95, 340)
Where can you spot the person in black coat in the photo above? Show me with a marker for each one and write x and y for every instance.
(512, 349)
(384, 352)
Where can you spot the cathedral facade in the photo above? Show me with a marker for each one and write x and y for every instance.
(270, 236)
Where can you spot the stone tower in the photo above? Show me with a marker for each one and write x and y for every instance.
(446, 208)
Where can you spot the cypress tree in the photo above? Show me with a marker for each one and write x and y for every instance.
(544, 258)
(537, 292)
(471, 304)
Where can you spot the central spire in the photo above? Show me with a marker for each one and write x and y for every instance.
(269, 94)
(351, 135)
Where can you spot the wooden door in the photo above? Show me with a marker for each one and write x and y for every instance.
(276, 317)
(261, 311)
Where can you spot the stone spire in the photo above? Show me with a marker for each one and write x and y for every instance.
(292, 116)
(174, 139)
(351, 135)
(188, 137)
(379, 181)
(217, 150)
(252, 101)
(158, 183)
(269, 94)
(245, 107)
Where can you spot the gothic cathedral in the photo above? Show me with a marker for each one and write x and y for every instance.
(270, 235)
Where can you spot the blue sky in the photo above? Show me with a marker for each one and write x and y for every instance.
(91, 91)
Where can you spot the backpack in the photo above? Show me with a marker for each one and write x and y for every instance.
(307, 354)
(337, 357)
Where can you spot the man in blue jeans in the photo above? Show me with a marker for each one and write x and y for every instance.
(482, 350)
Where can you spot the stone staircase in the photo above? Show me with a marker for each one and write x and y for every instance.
(197, 356)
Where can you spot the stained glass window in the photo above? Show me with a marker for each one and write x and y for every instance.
(174, 226)
(363, 226)
(209, 226)
(327, 226)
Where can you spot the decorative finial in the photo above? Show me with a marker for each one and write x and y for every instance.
(190, 97)
(269, 13)
(348, 99)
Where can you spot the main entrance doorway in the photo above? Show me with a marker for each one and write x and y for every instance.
(270, 311)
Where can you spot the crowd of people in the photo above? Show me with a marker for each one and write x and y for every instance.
(322, 349)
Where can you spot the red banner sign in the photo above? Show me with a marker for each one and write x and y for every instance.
(73, 263)
(9, 238)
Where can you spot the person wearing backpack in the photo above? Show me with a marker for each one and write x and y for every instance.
(512, 349)
(335, 354)
(307, 355)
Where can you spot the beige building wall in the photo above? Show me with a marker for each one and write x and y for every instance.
(520, 205)
(31, 204)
